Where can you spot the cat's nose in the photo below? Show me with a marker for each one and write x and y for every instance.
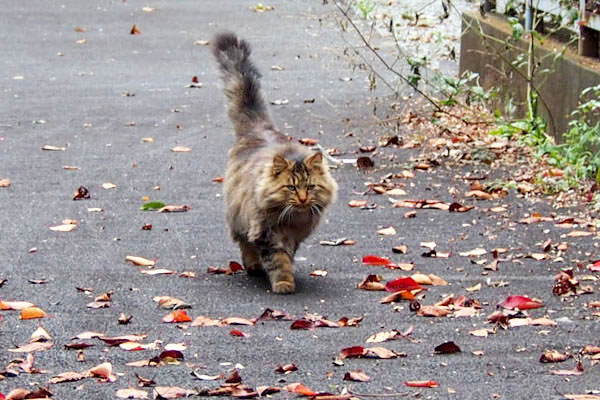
(302, 198)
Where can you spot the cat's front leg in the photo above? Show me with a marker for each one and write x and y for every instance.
(279, 266)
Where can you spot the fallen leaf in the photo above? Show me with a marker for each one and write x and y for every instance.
(372, 282)
(181, 149)
(553, 356)
(4, 182)
(63, 228)
(108, 185)
(67, 377)
(31, 347)
(300, 389)
(135, 30)
(403, 283)
(375, 260)
(389, 231)
(308, 141)
(473, 253)
(238, 333)
(578, 370)
(159, 271)
(15, 305)
(433, 311)
(357, 203)
(48, 147)
(177, 316)
(356, 376)
(32, 313)
(131, 393)
(447, 348)
(173, 208)
(286, 369)
(422, 384)
(102, 371)
(520, 302)
(318, 272)
(140, 261)
(170, 392)
(577, 234)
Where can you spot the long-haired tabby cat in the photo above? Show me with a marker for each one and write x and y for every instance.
(275, 190)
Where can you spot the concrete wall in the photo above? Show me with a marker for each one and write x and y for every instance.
(560, 88)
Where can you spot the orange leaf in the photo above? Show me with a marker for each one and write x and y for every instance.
(422, 384)
(32, 313)
(15, 305)
(177, 316)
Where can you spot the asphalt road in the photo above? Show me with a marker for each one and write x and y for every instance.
(98, 93)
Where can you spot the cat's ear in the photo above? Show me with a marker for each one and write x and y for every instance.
(280, 164)
(314, 161)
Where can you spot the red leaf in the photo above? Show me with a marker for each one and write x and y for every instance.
(375, 260)
(303, 324)
(404, 283)
(238, 333)
(235, 267)
(520, 302)
(422, 384)
(354, 351)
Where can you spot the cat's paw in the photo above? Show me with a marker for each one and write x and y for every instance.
(284, 287)
(255, 270)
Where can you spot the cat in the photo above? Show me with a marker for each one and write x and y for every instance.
(275, 190)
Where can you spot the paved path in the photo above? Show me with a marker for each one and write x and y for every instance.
(98, 93)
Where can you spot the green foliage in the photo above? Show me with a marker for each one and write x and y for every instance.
(365, 7)
(153, 205)
(467, 87)
(579, 155)
(517, 29)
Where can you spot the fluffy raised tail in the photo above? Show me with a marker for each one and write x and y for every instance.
(241, 83)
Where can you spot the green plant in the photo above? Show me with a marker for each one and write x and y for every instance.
(466, 86)
(579, 155)
(365, 7)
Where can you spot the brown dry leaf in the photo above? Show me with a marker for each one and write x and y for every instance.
(237, 321)
(389, 231)
(383, 336)
(102, 371)
(473, 253)
(67, 377)
(4, 182)
(422, 279)
(135, 30)
(160, 271)
(181, 149)
(480, 194)
(205, 321)
(553, 356)
(170, 392)
(437, 281)
(578, 370)
(88, 335)
(577, 234)
(170, 303)
(131, 393)
(372, 282)
(474, 288)
(31, 347)
(140, 261)
(402, 249)
(48, 147)
(318, 272)
(15, 305)
(483, 332)
(357, 376)
(39, 335)
(64, 228)
(433, 311)
(202, 42)
(382, 353)
(173, 208)
(286, 369)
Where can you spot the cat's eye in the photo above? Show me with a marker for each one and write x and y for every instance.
(310, 187)
(291, 187)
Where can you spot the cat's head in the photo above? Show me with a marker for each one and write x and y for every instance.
(300, 183)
